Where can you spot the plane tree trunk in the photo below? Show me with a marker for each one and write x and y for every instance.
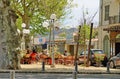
(9, 37)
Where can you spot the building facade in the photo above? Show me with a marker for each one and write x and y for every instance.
(109, 26)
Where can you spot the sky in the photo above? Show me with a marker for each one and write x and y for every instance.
(92, 6)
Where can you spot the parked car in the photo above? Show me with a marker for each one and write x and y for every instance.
(115, 61)
(96, 55)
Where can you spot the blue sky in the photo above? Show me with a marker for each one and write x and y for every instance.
(92, 6)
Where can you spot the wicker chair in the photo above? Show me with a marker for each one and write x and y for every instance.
(69, 60)
(59, 59)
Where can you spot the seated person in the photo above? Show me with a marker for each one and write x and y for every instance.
(65, 53)
(27, 58)
(33, 56)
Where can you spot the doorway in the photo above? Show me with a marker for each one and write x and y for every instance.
(117, 48)
(72, 49)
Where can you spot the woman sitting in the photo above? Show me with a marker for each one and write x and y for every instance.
(33, 56)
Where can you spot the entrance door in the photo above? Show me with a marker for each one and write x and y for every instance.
(117, 48)
(72, 49)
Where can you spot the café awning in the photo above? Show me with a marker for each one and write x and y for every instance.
(113, 28)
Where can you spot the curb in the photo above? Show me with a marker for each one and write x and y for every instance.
(51, 72)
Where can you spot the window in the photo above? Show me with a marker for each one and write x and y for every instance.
(98, 51)
(107, 12)
(84, 52)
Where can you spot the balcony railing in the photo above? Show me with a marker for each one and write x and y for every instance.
(114, 19)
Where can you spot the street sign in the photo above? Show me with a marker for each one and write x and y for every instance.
(40, 40)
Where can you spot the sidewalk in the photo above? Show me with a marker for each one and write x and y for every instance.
(65, 69)
(68, 69)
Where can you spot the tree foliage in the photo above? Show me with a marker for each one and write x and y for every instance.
(85, 33)
(34, 12)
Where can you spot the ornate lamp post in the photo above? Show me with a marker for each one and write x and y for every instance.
(52, 23)
(25, 31)
(53, 18)
(23, 39)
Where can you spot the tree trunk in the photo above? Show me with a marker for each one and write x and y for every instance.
(9, 37)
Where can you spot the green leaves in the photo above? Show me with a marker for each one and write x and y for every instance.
(85, 33)
(34, 12)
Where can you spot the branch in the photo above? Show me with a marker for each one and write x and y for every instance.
(19, 13)
(93, 16)
(29, 4)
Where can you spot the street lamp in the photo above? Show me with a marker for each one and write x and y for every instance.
(52, 23)
(53, 18)
(23, 39)
(24, 31)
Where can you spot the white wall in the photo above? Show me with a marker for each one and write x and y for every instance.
(114, 10)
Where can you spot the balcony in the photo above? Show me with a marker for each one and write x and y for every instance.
(114, 19)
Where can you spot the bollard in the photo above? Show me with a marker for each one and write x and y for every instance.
(76, 66)
(74, 74)
(43, 66)
(12, 74)
(108, 67)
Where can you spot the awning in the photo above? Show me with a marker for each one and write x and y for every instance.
(113, 27)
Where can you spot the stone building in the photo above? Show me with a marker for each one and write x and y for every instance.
(109, 26)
